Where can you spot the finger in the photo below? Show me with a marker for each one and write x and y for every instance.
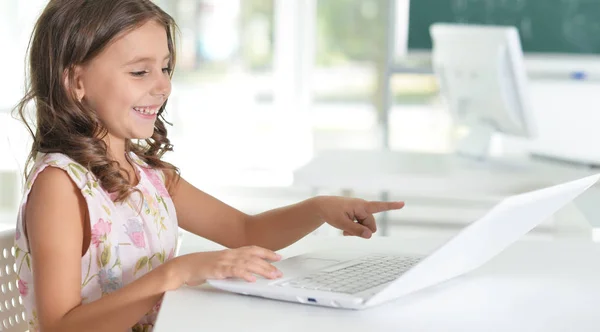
(356, 229)
(376, 207)
(240, 272)
(263, 264)
(264, 269)
(264, 253)
(369, 222)
(366, 219)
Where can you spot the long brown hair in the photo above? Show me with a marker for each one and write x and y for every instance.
(70, 33)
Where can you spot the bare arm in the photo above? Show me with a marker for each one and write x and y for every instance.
(210, 218)
(55, 217)
(278, 228)
(281, 227)
(206, 216)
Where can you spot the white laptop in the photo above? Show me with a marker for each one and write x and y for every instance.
(358, 280)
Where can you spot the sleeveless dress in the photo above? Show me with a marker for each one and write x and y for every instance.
(126, 242)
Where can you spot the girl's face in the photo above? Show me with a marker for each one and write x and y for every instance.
(128, 82)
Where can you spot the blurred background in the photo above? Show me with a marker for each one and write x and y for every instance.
(263, 86)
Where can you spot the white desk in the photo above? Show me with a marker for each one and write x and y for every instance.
(430, 175)
(532, 286)
(430, 183)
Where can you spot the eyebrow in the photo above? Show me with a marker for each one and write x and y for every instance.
(145, 59)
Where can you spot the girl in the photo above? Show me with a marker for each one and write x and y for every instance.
(97, 228)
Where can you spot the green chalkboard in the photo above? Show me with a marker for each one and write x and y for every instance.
(545, 26)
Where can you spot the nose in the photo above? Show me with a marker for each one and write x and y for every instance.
(162, 86)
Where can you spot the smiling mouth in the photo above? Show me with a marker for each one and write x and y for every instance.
(147, 110)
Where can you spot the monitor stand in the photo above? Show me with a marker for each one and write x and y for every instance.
(476, 144)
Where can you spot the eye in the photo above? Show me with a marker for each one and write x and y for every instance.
(139, 73)
(167, 70)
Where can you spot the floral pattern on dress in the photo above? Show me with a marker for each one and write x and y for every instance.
(100, 231)
(134, 230)
(125, 243)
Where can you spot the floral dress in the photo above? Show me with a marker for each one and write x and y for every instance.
(126, 243)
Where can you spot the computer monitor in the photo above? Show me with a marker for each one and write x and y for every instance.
(483, 80)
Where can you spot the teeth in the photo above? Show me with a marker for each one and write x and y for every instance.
(145, 110)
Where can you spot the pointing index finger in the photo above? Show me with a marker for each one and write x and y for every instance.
(376, 207)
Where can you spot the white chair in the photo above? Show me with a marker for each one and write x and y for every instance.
(12, 311)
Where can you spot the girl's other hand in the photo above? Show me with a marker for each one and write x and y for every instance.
(245, 263)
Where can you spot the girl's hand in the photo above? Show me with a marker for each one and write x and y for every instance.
(196, 268)
(352, 215)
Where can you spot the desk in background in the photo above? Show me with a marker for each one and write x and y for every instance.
(412, 176)
(532, 286)
(431, 175)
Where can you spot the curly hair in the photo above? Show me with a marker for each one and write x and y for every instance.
(71, 33)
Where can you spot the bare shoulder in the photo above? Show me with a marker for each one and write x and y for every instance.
(54, 198)
(172, 181)
(54, 185)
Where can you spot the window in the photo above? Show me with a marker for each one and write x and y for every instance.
(349, 78)
(350, 50)
(224, 42)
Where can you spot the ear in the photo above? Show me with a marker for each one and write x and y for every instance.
(73, 80)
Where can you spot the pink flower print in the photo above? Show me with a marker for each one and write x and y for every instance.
(17, 232)
(22, 286)
(99, 232)
(156, 181)
(134, 230)
(138, 239)
(171, 254)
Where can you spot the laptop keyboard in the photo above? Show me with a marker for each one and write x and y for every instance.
(364, 273)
